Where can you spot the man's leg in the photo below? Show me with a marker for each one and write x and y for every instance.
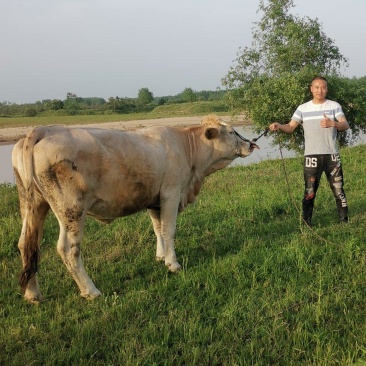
(334, 174)
(312, 175)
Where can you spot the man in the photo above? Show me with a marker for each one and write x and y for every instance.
(321, 119)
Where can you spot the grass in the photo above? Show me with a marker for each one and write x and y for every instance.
(168, 110)
(257, 288)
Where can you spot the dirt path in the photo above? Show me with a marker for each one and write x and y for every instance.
(10, 135)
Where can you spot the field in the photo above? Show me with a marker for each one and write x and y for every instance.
(257, 287)
(169, 110)
(12, 129)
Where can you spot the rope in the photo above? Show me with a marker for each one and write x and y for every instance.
(264, 133)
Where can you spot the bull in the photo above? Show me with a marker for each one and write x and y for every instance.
(108, 174)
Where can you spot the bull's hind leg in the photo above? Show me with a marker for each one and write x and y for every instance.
(155, 218)
(31, 291)
(68, 246)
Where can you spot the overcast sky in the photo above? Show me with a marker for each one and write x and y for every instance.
(116, 47)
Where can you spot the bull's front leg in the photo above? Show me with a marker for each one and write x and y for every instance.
(160, 247)
(168, 221)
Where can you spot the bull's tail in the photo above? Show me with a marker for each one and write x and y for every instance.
(30, 252)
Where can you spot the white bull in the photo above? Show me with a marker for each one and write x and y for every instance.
(108, 174)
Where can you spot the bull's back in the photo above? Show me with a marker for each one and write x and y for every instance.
(111, 174)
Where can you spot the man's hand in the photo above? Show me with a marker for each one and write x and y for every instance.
(274, 126)
(327, 122)
(287, 128)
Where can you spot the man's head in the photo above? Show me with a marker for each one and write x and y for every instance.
(319, 89)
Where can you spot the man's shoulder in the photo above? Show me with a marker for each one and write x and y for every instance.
(305, 106)
(328, 104)
(332, 103)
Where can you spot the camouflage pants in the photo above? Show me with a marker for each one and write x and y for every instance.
(314, 166)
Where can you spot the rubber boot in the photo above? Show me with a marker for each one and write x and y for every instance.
(307, 210)
(342, 213)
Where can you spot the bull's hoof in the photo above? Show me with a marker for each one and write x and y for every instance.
(91, 295)
(174, 267)
(33, 298)
(160, 259)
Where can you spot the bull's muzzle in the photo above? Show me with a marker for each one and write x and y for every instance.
(252, 146)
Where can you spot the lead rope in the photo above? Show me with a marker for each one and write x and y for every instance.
(264, 133)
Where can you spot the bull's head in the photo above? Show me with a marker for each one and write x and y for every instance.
(242, 147)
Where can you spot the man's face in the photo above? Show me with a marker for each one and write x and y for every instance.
(319, 89)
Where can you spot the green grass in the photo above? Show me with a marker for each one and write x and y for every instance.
(169, 110)
(257, 288)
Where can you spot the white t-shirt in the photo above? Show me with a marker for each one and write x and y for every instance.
(318, 140)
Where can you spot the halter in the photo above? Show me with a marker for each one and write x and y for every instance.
(264, 133)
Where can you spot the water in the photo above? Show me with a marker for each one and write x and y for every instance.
(6, 169)
(266, 152)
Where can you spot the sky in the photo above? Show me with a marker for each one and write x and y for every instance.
(114, 48)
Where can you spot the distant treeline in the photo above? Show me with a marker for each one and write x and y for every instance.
(74, 105)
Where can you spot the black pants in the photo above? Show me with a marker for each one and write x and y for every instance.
(314, 166)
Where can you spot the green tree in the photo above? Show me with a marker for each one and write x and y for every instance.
(30, 112)
(72, 103)
(161, 101)
(145, 96)
(120, 105)
(283, 42)
(70, 95)
(93, 102)
(271, 78)
(54, 105)
(350, 93)
(189, 95)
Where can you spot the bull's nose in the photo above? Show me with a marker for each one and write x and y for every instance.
(253, 146)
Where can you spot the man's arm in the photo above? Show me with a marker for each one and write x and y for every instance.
(341, 124)
(287, 128)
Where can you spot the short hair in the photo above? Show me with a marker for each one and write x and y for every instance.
(319, 77)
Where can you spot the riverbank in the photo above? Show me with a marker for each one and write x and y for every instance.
(10, 135)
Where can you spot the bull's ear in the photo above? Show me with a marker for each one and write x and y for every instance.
(211, 133)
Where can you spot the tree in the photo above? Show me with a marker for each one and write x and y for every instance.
(161, 101)
(189, 95)
(273, 75)
(145, 96)
(54, 105)
(93, 102)
(70, 95)
(72, 102)
(283, 42)
(120, 105)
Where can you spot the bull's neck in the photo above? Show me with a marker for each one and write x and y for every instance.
(201, 156)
